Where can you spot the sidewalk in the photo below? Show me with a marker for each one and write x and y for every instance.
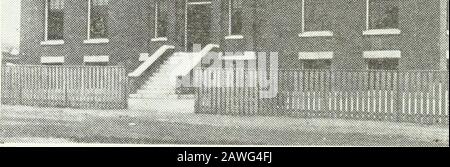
(28, 124)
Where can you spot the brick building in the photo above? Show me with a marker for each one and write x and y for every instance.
(338, 34)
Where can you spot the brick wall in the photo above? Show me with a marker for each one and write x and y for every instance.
(280, 24)
(269, 25)
(128, 27)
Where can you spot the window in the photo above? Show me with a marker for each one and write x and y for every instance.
(316, 60)
(382, 17)
(96, 60)
(378, 78)
(311, 63)
(235, 19)
(383, 14)
(383, 64)
(382, 59)
(319, 64)
(316, 19)
(378, 62)
(98, 19)
(96, 63)
(161, 19)
(54, 22)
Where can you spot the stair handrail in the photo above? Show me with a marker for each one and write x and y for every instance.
(149, 62)
(194, 59)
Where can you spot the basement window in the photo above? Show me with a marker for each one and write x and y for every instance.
(320, 64)
(235, 19)
(378, 76)
(312, 62)
(96, 60)
(316, 20)
(382, 59)
(96, 63)
(383, 64)
(382, 17)
(98, 21)
(54, 22)
(316, 60)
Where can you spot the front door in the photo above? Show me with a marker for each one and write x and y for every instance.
(198, 25)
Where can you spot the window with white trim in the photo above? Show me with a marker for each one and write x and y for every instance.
(315, 16)
(378, 66)
(161, 18)
(54, 20)
(235, 17)
(382, 59)
(316, 60)
(52, 60)
(382, 14)
(98, 19)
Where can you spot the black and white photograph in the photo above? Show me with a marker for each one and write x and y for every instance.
(224, 73)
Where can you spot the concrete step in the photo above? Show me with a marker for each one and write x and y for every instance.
(157, 87)
(162, 96)
(155, 96)
(160, 78)
(165, 71)
(159, 83)
(156, 91)
(161, 75)
(162, 105)
(174, 61)
(157, 79)
(167, 67)
(162, 85)
(171, 62)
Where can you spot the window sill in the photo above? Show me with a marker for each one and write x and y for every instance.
(382, 32)
(52, 60)
(159, 39)
(96, 59)
(53, 42)
(234, 37)
(315, 55)
(316, 34)
(96, 41)
(382, 54)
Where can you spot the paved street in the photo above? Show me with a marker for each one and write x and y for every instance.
(49, 126)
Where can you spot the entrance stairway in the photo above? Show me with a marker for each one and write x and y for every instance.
(158, 89)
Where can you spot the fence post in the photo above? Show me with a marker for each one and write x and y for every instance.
(20, 84)
(125, 89)
(66, 96)
(398, 99)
